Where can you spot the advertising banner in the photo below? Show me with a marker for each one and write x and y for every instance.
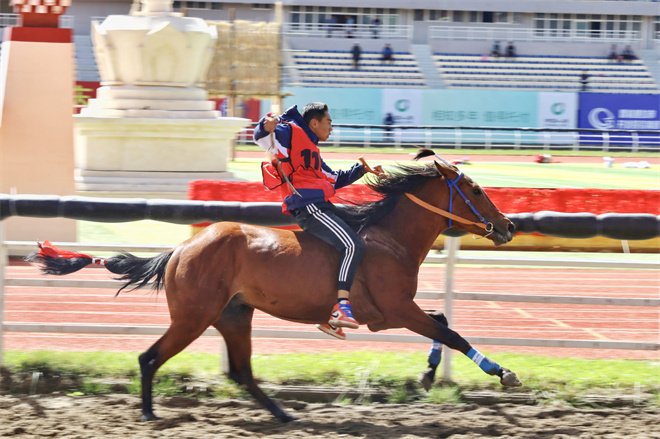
(557, 110)
(637, 112)
(347, 105)
(405, 106)
(361, 106)
(480, 108)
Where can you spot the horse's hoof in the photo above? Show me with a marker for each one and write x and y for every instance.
(149, 417)
(509, 379)
(285, 417)
(425, 380)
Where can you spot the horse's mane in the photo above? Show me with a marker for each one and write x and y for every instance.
(403, 178)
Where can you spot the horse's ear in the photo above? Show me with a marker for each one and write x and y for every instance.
(447, 171)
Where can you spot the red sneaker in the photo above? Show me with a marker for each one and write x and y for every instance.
(342, 316)
(332, 330)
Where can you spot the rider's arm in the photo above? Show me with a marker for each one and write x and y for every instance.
(281, 141)
(344, 178)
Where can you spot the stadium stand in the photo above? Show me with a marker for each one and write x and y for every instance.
(86, 69)
(437, 45)
(335, 69)
(545, 73)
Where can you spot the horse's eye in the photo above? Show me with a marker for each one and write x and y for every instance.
(476, 191)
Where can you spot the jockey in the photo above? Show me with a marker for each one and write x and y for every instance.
(307, 185)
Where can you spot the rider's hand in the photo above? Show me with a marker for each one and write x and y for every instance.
(270, 123)
(378, 170)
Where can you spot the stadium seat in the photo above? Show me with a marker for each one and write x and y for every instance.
(544, 72)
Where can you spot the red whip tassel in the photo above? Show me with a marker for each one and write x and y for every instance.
(46, 249)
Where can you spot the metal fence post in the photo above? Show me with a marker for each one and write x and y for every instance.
(452, 245)
(3, 262)
(224, 357)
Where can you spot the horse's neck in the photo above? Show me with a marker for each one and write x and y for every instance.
(414, 227)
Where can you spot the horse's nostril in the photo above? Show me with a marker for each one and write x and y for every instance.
(511, 228)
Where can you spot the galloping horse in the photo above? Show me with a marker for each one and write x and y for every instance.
(219, 276)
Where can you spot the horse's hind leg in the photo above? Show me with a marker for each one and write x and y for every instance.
(191, 312)
(179, 335)
(235, 325)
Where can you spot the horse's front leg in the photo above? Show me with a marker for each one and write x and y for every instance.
(410, 316)
(427, 376)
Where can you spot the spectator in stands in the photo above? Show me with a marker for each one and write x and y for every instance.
(375, 26)
(584, 80)
(350, 26)
(388, 54)
(332, 24)
(613, 56)
(510, 50)
(388, 122)
(496, 51)
(628, 54)
(356, 52)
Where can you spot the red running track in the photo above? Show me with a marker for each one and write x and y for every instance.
(472, 318)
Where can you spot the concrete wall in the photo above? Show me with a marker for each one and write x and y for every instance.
(36, 131)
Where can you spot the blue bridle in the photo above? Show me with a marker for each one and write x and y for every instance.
(453, 184)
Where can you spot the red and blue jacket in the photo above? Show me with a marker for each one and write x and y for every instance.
(295, 144)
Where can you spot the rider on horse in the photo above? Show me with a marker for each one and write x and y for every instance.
(307, 184)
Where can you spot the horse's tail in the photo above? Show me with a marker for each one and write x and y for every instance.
(134, 270)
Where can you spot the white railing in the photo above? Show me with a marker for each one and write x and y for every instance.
(7, 20)
(473, 33)
(328, 30)
(451, 259)
(484, 137)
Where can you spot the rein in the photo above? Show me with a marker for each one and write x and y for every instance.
(487, 226)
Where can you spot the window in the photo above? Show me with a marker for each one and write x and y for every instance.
(418, 15)
(438, 15)
(458, 16)
(474, 16)
(321, 14)
(612, 27)
(501, 17)
(262, 6)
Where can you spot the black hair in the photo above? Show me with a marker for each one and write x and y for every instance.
(314, 110)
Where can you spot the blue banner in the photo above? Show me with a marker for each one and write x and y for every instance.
(635, 112)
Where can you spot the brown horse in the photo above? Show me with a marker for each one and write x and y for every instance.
(219, 276)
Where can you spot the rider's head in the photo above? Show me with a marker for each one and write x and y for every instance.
(317, 117)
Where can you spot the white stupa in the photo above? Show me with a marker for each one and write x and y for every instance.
(151, 129)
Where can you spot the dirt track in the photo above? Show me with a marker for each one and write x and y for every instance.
(115, 416)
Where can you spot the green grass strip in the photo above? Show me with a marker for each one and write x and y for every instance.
(567, 379)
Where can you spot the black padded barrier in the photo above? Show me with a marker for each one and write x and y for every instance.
(563, 225)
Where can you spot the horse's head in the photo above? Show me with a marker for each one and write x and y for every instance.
(469, 202)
